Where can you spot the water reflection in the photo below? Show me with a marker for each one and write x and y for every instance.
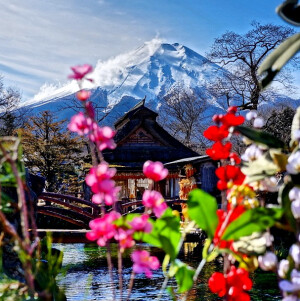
(87, 278)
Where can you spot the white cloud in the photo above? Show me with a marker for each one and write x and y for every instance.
(42, 39)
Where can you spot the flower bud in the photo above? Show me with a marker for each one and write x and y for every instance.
(251, 115)
(295, 253)
(296, 135)
(258, 122)
(294, 193)
(295, 276)
(295, 206)
(83, 95)
(283, 268)
(268, 261)
(232, 110)
(290, 298)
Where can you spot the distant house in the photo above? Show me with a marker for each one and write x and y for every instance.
(195, 172)
(140, 138)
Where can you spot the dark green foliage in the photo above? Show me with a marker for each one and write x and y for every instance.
(49, 148)
(279, 124)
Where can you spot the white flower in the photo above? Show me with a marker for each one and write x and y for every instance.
(295, 276)
(290, 298)
(294, 194)
(269, 239)
(251, 115)
(295, 206)
(268, 261)
(293, 285)
(283, 268)
(269, 184)
(296, 135)
(252, 153)
(258, 122)
(295, 253)
(293, 166)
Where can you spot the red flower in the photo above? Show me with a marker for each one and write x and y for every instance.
(219, 151)
(216, 133)
(217, 284)
(230, 119)
(234, 284)
(227, 174)
(235, 158)
(232, 110)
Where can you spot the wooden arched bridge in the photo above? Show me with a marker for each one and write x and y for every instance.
(70, 216)
(79, 212)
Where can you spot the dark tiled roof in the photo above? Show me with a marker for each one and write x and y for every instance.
(166, 149)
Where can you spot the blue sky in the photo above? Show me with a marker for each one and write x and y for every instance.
(41, 39)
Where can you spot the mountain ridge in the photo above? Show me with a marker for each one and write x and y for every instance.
(120, 82)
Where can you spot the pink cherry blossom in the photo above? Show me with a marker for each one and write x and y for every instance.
(101, 172)
(154, 170)
(154, 200)
(80, 124)
(102, 136)
(109, 197)
(83, 95)
(99, 179)
(141, 223)
(124, 237)
(80, 71)
(144, 263)
(103, 228)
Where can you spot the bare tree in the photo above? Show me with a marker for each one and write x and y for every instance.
(97, 99)
(181, 112)
(11, 116)
(242, 56)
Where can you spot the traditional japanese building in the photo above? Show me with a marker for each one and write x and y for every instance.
(140, 138)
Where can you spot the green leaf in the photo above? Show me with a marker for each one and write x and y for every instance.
(171, 292)
(165, 233)
(184, 276)
(284, 200)
(278, 58)
(260, 137)
(254, 220)
(202, 208)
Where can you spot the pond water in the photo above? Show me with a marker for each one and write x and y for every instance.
(86, 277)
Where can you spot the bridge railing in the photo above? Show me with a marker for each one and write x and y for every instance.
(85, 209)
(129, 205)
(88, 210)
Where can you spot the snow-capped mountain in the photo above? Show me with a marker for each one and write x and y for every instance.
(122, 81)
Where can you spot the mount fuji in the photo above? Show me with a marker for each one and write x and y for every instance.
(120, 82)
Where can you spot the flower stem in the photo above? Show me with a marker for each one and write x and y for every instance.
(163, 287)
(130, 286)
(120, 273)
(110, 269)
(199, 269)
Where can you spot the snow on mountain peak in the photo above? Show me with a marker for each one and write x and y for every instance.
(150, 70)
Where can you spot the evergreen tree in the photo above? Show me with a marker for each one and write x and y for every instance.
(49, 148)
